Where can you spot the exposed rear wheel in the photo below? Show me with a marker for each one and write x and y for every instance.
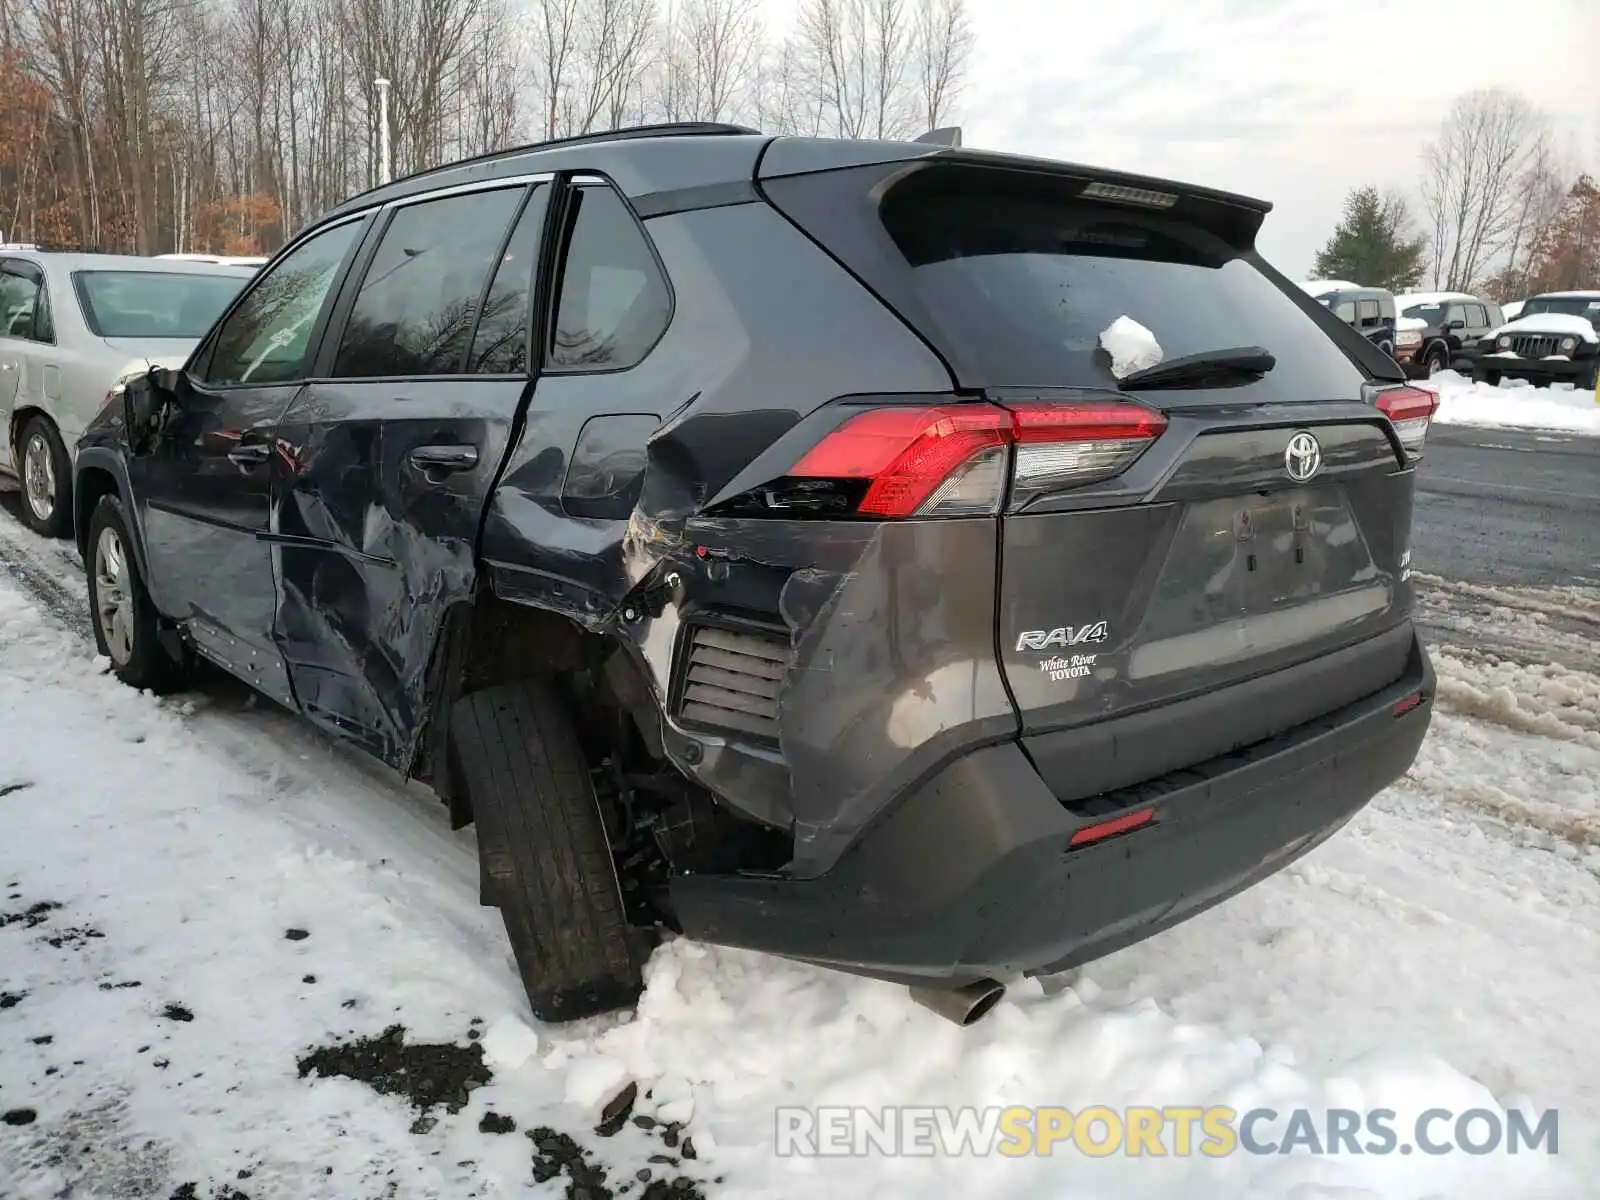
(46, 479)
(545, 854)
(126, 625)
(1437, 361)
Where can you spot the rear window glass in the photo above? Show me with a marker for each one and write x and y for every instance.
(153, 304)
(1020, 282)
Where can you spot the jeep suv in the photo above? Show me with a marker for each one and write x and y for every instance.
(1555, 338)
(1438, 330)
(751, 536)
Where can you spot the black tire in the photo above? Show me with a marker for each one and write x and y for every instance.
(545, 855)
(148, 663)
(1436, 361)
(57, 522)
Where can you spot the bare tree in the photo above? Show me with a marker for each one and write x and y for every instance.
(611, 54)
(942, 44)
(711, 60)
(857, 53)
(1488, 143)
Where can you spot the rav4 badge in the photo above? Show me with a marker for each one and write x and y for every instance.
(1066, 635)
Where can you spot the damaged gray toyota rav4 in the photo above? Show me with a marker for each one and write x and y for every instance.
(752, 537)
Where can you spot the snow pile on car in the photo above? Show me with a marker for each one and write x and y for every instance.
(1513, 404)
(1548, 322)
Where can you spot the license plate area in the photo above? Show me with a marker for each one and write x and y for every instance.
(1242, 556)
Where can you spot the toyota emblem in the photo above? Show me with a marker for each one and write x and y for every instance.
(1303, 457)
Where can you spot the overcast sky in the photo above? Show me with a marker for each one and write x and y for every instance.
(1295, 101)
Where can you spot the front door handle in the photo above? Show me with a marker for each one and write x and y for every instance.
(250, 454)
(441, 460)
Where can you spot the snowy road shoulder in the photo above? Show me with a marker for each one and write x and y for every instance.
(1513, 404)
(213, 924)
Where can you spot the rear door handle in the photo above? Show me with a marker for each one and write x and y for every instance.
(441, 460)
(250, 454)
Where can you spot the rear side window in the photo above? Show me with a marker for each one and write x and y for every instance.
(418, 302)
(500, 346)
(1368, 313)
(23, 308)
(612, 304)
(1013, 277)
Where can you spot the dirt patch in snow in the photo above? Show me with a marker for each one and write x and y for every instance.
(427, 1074)
(31, 917)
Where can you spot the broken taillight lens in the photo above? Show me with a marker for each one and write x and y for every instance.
(953, 460)
(1410, 410)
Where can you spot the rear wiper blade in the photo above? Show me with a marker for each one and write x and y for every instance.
(1209, 368)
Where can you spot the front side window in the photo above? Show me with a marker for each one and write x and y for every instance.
(418, 302)
(153, 304)
(613, 304)
(267, 338)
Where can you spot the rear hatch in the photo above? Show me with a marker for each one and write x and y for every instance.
(1159, 541)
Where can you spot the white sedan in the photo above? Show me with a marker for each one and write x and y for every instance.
(71, 326)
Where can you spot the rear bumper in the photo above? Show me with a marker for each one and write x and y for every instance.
(971, 876)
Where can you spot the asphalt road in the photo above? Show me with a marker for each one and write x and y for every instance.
(1498, 507)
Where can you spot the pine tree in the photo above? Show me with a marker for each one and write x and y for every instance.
(1372, 244)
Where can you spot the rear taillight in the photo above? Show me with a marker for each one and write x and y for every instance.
(953, 460)
(1067, 445)
(916, 458)
(1410, 410)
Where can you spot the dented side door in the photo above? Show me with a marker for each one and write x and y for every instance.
(394, 449)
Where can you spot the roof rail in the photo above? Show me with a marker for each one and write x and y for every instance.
(668, 129)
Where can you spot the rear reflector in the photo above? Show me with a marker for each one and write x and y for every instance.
(1101, 830)
(1410, 410)
(952, 460)
(1406, 705)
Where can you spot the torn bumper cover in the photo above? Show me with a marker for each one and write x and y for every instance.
(974, 874)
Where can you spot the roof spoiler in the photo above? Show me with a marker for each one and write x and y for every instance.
(945, 135)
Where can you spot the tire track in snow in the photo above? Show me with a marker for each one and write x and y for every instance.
(44, 570)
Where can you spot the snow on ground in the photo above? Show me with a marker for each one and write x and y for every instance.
(234, 892)
(1513, 404)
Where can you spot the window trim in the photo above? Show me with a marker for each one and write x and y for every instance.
(200, 360)
(560, 208)
(383, 216)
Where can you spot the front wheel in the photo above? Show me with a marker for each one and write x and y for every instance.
(126, 624)
(46, 479)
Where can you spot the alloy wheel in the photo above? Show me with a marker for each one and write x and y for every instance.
(113, 597)
(39, 477)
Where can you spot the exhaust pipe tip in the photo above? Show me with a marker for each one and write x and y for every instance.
(964, 1005)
